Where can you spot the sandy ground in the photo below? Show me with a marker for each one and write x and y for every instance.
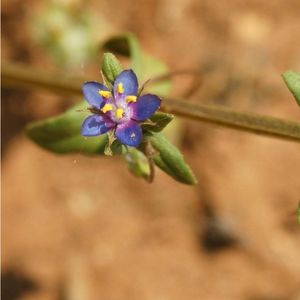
(79, 228)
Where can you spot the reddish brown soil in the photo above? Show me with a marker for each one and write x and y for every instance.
(81, 228)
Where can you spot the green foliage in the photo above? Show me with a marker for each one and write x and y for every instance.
(158, 122)
(170, 160)
(110, 67)
(61, 134)
(137, 163)
(292, 80)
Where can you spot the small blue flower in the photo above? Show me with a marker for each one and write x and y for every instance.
(120, 110)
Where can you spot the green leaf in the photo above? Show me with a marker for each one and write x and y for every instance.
(137, 163)
(61, 134)
(292, 80)
(158, 122)
(170, 160)
(110, 67)
(144, 65)
(127, 45)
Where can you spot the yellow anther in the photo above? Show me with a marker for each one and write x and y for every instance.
(107, 107)
(120, 88)
(119, 113)
(105, 94)
(131, 99)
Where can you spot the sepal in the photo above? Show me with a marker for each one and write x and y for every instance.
(157, 122)
(111, 67)
(169, 159)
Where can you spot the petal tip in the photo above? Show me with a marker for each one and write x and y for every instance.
(145, 107)
(129, 134)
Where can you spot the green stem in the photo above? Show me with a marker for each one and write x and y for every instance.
(220, 115)
(20, 76)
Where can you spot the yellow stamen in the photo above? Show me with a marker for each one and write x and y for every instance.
(105, 94)
(119, 113)
(107, 107)
(120, 88)
(131, 99)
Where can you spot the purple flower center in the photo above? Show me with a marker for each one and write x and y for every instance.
(117, 107)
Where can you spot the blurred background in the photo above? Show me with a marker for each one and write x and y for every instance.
(81, 228)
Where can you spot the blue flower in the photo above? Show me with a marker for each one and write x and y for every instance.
(120, 110)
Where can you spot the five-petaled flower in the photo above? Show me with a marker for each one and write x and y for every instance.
(120, 110)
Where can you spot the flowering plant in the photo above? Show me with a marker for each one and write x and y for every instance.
(121, 121)
(120, 109)
(133, 124)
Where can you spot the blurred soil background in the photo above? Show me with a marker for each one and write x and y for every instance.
(81, 228)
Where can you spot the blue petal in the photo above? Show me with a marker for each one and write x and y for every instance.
(129, 133)
(91, 93)
(129, 81)
(95, 125)
(145, 107)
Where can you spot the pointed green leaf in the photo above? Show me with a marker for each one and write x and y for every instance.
(170, 160)
(111, 67)
(158, 122)
(61, 134)
(292, 80)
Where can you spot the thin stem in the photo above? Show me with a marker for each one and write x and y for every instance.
(149, 152)
(18, 76)
(224, 116)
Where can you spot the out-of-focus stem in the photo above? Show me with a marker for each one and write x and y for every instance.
(251, 122)
(20, 76)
